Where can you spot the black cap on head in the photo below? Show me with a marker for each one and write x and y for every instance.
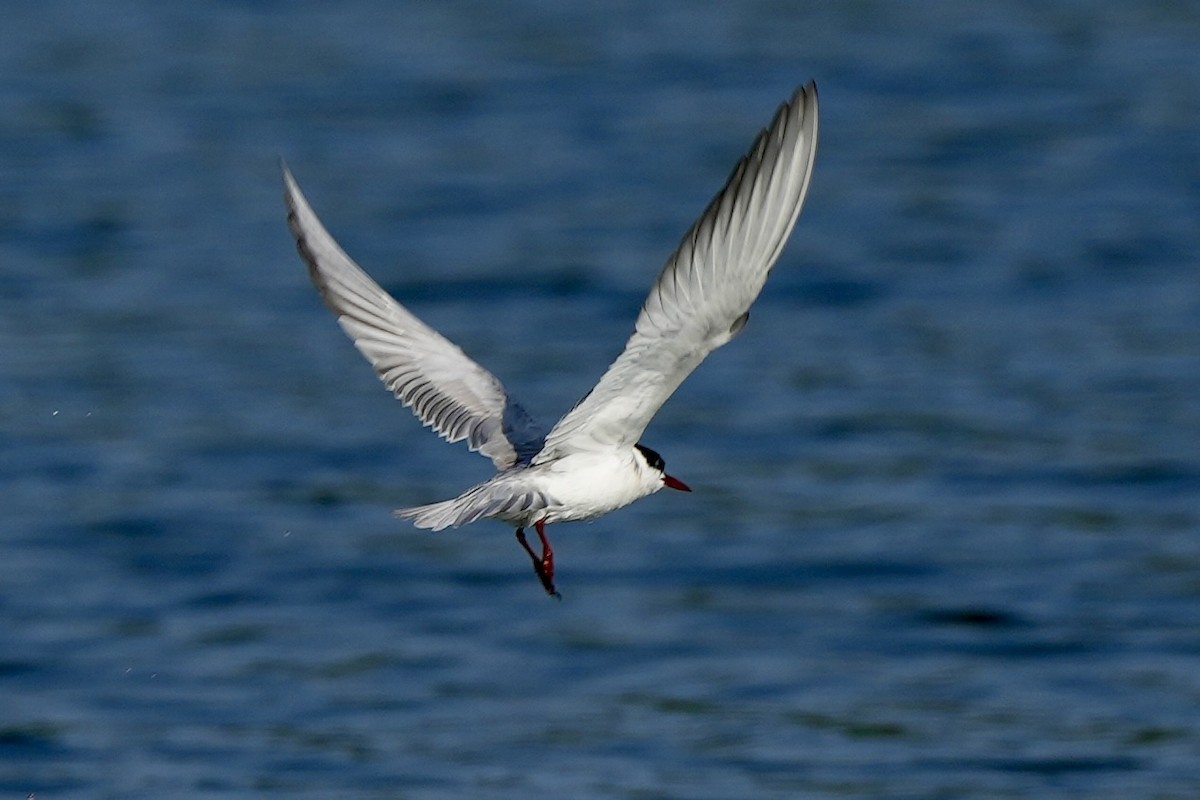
(652, 458)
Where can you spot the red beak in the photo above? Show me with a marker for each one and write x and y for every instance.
(675, 483)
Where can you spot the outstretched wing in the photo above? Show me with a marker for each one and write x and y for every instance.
(447, 391)
(703, 296)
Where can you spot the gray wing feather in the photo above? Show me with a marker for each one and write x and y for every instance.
(447, 391)
(703, 296)
(493, 500)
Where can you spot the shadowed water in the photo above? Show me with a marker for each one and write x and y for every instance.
(945, 533)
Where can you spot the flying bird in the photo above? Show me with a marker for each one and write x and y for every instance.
(591, 461)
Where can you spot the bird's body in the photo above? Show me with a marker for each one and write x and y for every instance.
(574, 488)
(590, 462)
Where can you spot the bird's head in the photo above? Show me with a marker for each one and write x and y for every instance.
(655, 463)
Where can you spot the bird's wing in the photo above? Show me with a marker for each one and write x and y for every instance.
(703, 296)
(447, 391)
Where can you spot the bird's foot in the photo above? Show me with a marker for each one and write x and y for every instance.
(543, 565)
(545, 573)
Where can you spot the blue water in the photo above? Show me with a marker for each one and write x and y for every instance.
(945, 538)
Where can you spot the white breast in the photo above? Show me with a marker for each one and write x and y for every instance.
(587, 485)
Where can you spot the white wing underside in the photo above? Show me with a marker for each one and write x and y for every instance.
(703, 296)
(447, 391)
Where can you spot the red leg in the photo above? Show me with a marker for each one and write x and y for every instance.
(544, 566)
(547, 553)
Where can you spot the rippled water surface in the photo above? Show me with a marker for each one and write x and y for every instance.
(945, 538)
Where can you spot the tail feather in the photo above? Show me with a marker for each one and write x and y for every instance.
(486, 501)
